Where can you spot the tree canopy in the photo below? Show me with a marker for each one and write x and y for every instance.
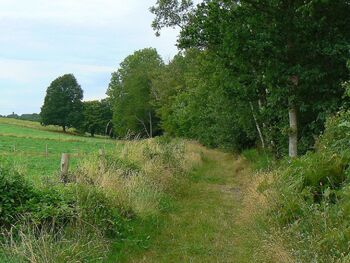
(130, 94)
(97, 117)
(63, 103)
(284, 60)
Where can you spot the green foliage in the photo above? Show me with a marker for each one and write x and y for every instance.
(15, 192)
(103, 203)
(193, 100)
(97, 116)
(130, 95)
(337, 134)
(95, 208)
(310, 197)
(21, 201)
(261, 68)
(260, 160)
(170, 13)
(26, 117)
(63, 103)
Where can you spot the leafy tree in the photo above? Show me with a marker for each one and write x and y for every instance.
(193, 100)
(170, 13)
(288, 56)
(97, 116)
(63, 103)
(130, 94)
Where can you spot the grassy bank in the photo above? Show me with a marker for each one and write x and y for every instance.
(104, 206)
(100, 211)
(308, 198)
(166, 200)
(159, 200)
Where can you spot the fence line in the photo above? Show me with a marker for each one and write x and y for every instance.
(38, 151)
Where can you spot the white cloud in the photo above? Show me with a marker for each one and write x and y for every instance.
(43, 39)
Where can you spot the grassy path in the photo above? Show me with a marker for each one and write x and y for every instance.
(206, 225)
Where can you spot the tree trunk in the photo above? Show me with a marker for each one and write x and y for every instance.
(257, 126)
(150, 125)
(64, 128)
(293, 132)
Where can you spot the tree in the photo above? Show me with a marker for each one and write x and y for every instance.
(63, 103)
(170, 13)
(130, 94)
(193, 100)
(97, 116)
(288, 56)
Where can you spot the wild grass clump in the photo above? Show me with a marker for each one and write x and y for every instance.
(105, 197)
(259, 159)
(310, 198)
(138, 178)
(32, 243)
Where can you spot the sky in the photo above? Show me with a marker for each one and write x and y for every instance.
(43, 39)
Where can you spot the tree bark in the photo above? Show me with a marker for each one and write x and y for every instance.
(293, 132)
(64, 128)
(257, 126)
(293, 118)
(150, 125)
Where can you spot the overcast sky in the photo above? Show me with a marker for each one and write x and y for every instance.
(43, 39)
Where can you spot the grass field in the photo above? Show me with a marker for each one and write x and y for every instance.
(23, 144)
(157, 200)
(104, 205)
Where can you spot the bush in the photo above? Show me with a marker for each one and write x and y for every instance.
(337, 133)
(15, 192)
(21, 201)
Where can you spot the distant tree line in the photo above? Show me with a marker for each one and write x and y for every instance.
(248, 73)
(25, 117)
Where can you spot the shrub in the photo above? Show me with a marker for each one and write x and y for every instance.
(15, 192)
(19, 200)
(336, 136)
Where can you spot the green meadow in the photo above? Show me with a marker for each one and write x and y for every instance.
(23, 144)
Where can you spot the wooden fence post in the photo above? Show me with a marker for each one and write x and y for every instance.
(64, 167)
(14, 148)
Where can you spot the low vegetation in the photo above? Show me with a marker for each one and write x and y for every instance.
(106, 198)
(304, 202)
(250, 77)
(24, 143)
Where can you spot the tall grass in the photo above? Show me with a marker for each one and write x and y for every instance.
(309, 198)
(107, 195)
(259, 159)
(31, 243)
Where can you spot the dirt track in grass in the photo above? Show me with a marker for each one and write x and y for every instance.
(213, 221)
